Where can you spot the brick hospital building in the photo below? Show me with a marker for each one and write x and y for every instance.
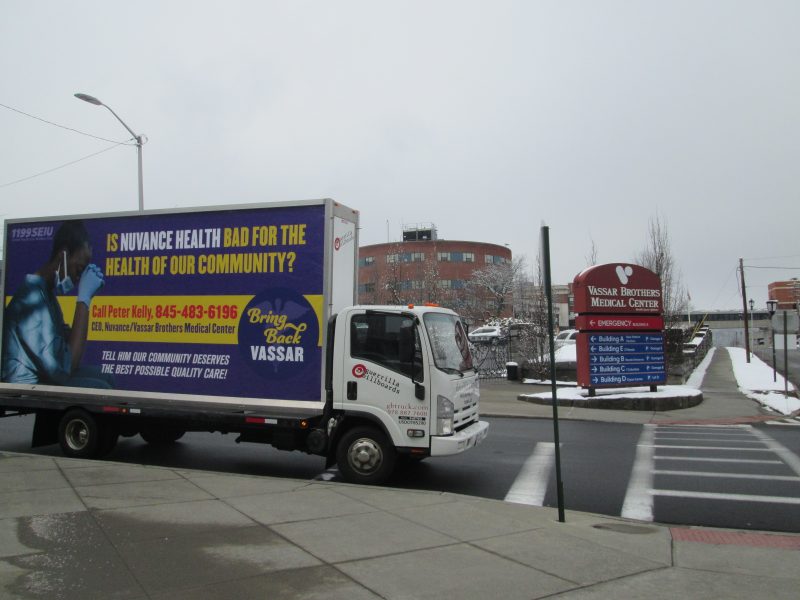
(423, 268)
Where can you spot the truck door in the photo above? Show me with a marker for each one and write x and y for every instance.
(385, 375)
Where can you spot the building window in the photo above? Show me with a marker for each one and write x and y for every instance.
(366, 261)
(452, 284)
(456, 257)
(405, 257)
(411, 284)
(494, 260)
(366, 288)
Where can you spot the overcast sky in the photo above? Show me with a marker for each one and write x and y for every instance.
(484, 118)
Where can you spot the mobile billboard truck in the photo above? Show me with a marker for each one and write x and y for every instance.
(234, 320)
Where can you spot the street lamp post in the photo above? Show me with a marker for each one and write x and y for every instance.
(138, 138)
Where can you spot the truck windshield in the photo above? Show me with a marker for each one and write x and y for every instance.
(449, 342)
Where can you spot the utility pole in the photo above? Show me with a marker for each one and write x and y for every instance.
(746, 314)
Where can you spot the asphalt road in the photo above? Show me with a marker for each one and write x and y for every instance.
(736, 477)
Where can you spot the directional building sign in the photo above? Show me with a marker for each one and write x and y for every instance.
(619, 322)
(621, 359)
(621, 340)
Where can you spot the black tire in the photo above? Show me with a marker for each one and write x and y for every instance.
(365, 456)
(79, 434)
(161, 436)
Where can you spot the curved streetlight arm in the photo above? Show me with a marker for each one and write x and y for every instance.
(138, 138)
(96, 102)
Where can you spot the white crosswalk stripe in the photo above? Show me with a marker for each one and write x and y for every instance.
(787, 421)
(530, 486)
(662, 449)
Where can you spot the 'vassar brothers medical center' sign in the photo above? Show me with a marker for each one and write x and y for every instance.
(621, 339)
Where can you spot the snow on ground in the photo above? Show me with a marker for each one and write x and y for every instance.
(577, 394)
(569, 390)
(696, 378)
(755, 381)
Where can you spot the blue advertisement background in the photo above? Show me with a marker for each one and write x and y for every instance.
(293, 380)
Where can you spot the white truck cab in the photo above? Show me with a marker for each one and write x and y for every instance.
(406, 373)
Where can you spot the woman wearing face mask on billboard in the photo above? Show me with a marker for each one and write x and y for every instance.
(38, 347)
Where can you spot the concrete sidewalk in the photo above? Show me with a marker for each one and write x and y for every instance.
(72, 529)
(84, 529)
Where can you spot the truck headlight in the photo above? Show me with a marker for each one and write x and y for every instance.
(444, 416)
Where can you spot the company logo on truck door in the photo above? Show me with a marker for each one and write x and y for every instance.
(278, 332)
(384, 381)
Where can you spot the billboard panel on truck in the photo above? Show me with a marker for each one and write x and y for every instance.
(225, 303)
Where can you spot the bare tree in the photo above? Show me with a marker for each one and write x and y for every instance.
(496, 283)
(534, 342)
(430, 277)
(591, 258)
(390, 286)
(657, 256)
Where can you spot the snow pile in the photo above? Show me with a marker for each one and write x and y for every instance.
(578, 394)
(696, 378)
(755, 381)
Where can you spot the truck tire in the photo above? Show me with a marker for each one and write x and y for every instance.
(79, 434)
(365, 456)
(161, 436)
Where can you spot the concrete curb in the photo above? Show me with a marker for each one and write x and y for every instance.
(630, 402)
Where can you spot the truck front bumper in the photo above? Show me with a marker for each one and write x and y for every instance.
(460, 441)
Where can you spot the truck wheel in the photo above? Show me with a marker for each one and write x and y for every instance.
(79, 434)
(364, 455)
(161, 435)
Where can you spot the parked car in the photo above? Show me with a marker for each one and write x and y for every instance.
(487, 334)
(568, 336)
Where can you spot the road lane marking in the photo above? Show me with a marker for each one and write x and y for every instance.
(671, 447)
(638, 502)
(727, 475)
(705, 439)
(734, 497)
(701, 427)
(531, 483)
(786, 455)
(750, 461)
(734, 435)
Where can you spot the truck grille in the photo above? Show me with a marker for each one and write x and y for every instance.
(466, 415)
